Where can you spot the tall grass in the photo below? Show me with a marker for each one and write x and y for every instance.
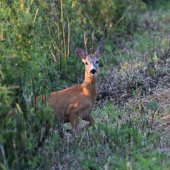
(37, 43)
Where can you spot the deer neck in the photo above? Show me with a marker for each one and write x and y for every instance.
(90, 86)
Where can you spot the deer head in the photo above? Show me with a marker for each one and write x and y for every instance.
(91, 61)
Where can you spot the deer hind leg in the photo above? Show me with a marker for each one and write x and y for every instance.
(60, 123)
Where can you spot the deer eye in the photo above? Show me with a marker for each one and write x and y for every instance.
(97, 62)
(86, 63)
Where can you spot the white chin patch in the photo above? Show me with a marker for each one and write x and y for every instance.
(93, 74)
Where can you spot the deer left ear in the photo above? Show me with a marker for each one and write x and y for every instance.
(80, 53)
(100, 50)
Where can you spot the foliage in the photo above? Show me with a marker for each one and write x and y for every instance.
(156, 3)
(25, 60)
(103, 15)
(37, 44)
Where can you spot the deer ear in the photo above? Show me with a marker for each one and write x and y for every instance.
(80, 53)
(100, 50)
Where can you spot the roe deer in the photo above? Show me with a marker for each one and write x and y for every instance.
(78, 101)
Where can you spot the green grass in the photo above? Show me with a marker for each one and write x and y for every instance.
(123, 143)
(132, 107)
(129, 133)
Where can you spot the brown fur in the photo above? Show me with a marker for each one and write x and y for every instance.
(77, 101)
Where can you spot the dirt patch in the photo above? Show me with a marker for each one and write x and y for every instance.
(146, 88)
(118, 86)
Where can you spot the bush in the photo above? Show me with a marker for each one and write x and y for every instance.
(103, 16)
(37, 39)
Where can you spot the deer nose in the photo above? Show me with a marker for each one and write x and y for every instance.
(93, 71)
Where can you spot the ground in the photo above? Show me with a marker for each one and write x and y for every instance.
(132, 109)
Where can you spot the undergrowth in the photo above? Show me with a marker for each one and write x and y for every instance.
(132, 111)
(132, 117)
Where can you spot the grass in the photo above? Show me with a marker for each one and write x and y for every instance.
(132, 108)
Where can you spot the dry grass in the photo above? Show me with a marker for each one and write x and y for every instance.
(132, 108)
(146, 74)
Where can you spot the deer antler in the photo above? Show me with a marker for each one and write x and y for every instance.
(85, 42)
(93, 42)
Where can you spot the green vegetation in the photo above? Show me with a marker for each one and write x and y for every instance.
(37, 56)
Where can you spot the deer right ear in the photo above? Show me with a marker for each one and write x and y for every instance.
(80, 53)
(100, 50)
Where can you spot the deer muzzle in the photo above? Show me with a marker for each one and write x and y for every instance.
(93, 71)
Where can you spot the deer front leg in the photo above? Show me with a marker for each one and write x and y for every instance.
(74, 123)
(91, 121)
